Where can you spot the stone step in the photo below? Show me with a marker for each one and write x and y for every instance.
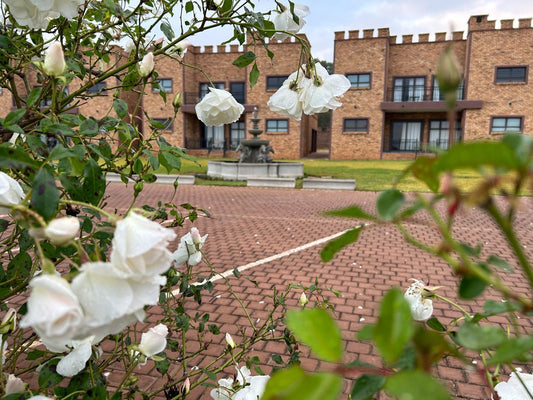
(327, 183)
(161, 179)
(272, 182)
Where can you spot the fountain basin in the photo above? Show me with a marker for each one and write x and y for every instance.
(233, 170)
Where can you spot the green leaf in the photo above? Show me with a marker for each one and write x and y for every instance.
(15, 157)
(416, 385)
(366, 332)
(366, 386)
(389, 203)
(48, 377)
(476, 154)
(245, 59)
(294, 383)
(316, 329)
(34, 96)
(44, 195)
(478, 337)
(14, 116)
(351, 212)
(93, 185)
(471, 287)
(166, 28)
(188, 6)
(394, 327)
(516, 349)
(435, 324)
(333, 247)
(169, 161)
(499, 263)
(89, 127)
(521, 145)
(254, 75)
(422, 169)
(121, 107)
(492, 307)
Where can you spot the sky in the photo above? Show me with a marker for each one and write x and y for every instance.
(402, 17)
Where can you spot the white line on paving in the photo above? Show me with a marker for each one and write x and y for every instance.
(266, 260)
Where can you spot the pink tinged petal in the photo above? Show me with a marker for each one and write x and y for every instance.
(14, 385)
(76, 360)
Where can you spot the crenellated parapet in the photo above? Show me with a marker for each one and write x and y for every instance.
(475, 23)
(234, 48)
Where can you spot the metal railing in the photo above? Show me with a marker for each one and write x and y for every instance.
(201, 143)
(416, 146)
(416, 93)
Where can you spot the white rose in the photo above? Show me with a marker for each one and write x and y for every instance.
(10, 192)
(140, 247)
(37, 14)
(107, 297)
(189, 248)
(61, 230)
(513, 389)
(421, 308)
(218, 107)
(53, 311)
(147, 65)
(284, 21)
(286, 100)
(54, 60)
(154, 341)
(76, 360)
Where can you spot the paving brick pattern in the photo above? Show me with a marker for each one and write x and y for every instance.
(249, 224)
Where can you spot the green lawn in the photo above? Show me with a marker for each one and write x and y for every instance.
(369, 175)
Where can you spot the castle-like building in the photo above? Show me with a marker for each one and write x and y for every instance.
(393, 110)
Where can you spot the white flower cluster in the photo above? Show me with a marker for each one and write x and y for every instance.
(189, 248)
(421, 308)
(105, 297)
(252, 387)
(317, 93)
(36, 14)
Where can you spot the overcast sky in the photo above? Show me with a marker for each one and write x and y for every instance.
(402, 17)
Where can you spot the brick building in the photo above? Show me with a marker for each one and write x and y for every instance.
(395, 110)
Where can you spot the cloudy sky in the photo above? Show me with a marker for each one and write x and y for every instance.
(402, 17)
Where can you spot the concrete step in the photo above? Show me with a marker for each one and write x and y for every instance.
(161, 179)
(272, 182)
(327, 183)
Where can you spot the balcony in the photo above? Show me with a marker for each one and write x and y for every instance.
(417, 146)
(202, 143)
(190, 99)
(418, 98)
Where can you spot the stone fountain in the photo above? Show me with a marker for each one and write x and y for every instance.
(254, 160)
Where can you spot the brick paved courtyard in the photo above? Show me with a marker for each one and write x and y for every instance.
(251, 224)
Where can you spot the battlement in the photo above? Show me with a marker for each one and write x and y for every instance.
(475, 23)
(235, 48)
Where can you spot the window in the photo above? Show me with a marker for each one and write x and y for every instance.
(99, 87)
(409, 89)
(237, 133)
(438, 96)
(277, 125)
(237, 89)
(214, 137)
(355, 125)
(47, 101)
(165, 124)
(359, 80)
(506, 124)
(275, 82)
(164, 85)
(204, 87)
(439, 134)
(406, 135)
(511, 74)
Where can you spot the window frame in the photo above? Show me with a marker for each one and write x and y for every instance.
(358, 74)
(277, 120)
(435, 90)
(355, 130)
(161, 87)
(283, 78)
(243, 83)
(444, 130)
(498, 68)
(420, 135)
(414, 88)
(506, 118)
(207, 85)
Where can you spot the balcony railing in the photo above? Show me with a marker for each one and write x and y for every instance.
(417, 93)
(197, 143)
(195, 97)
(416, 146)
